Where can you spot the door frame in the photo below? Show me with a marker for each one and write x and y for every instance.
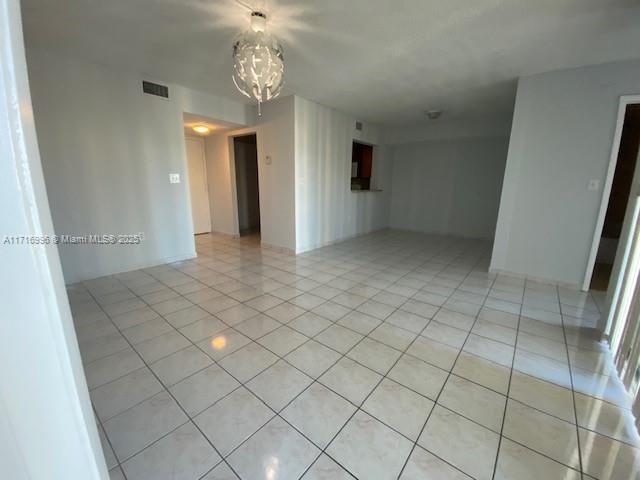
(625, 339)
(606, 190)
(232, 174)
(206, 179)
(622, 298)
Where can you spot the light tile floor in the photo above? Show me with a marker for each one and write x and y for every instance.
(393, 355)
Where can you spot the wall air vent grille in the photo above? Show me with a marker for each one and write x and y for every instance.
(155, 89)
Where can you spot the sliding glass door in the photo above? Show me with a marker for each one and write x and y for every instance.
(624, 317)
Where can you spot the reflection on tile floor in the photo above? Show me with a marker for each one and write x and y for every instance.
(393, 355)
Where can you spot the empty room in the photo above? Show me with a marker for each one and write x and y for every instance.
(298, 240)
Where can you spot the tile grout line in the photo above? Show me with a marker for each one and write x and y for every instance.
(358, 407)
(424, 425)
(343, 355)
(450, 371)
(104, 432)
(360, 281)
(506, 403)
(228, 327)
(334, 322)
(167, 388)
(573, 392)
(439, 342)
(240, 384)
(314, 381)
(190, 420)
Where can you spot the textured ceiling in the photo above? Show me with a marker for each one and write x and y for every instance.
(383, 61)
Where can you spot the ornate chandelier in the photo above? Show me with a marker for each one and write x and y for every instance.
(258, 64)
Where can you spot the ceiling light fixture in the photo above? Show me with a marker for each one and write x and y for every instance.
(258, 63)
(201, 129)
(433, 114)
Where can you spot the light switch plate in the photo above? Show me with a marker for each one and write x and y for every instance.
(593, 185)
(174, 178)
(267, 160)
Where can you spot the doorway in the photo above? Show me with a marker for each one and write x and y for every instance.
(619, 246)
(245, 153)
(617, 205)
(199, 191)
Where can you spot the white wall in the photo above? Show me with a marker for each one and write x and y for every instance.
(275, 138)
(107, 150)
(305, 193)
(221, 184)
(47, 426)
(561, 138)
(449, 187)
(326, 209)
(445, 128)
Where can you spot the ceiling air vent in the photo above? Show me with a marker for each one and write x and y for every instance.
(359, 126)
(155, 89)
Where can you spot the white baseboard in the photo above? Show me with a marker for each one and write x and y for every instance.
(338, 240)
(441, 234)
(225, 234)
(285, 250)
(533, 278)
(136, 266)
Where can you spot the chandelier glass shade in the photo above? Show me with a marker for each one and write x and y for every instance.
(258, 63)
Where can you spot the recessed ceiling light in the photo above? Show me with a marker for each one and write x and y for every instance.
(433, 114)
(201, 129)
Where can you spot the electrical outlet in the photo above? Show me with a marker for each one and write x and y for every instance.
(174, 178)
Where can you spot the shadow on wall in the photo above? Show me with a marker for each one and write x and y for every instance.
(449, 187)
